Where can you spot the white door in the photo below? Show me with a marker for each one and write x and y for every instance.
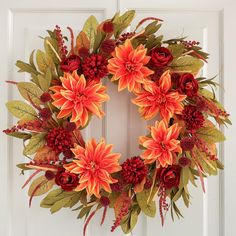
(211, 22)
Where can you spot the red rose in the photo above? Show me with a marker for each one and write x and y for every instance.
(188, 85)
(161, 57)
(67, 181)
(70, 63)
(169, 176)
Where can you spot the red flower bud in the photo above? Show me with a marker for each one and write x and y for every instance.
(108, 27)
(108, 46)
(49, 175)
(45, 97)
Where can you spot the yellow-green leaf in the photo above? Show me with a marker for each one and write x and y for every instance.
(36, 142)
(30, 92)
(187, 64)
(123, 21)
(45, 186)
(90, 29)
(44, 61)
(25, 67)
(21, 110)
(176, 49)
(148, 208)
(210, 134)
(20, 135)
(51, 49)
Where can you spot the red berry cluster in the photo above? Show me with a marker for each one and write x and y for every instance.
(193, 118)
(134, 170)
(190, 44)
(95, 67)
(59, 139)
(60, 41)
(127, 35)
(123, 212)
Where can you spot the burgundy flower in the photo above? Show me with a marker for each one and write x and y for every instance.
(108, 27)
(95, 67)
(45, 97)
(187, 143)
(188, 85)
(59, 139)
(160, 57)
(169, 177)
(184, 161)
(67, 181)
(108, 46)
(70, 63)
(193, 118)
(134, 170)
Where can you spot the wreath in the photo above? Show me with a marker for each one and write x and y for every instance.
(67, 88)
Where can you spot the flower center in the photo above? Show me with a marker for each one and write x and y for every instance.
(163, 146)
(93, 166)
(160, 99)
(130, 66)
(81, 98)
(189, 86)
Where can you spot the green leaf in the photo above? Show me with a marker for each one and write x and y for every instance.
(44, 61)
(210, 134)
(25, 67)
(130, 220)
(45, 81)
(59, 198)
(52, 197)
(122, 22)
(23, 166)
(98, 39)
(51, 46)
(152, 28)
(177, 195)
(36, 142)
(84, 211)
(176, 49)
(21, 110)
(59, 204)
(30, 92)
(184, 177)
(148, 208)
(187, 64)
(44, 187)
(186, 197)
(90, 29)
(20, 135)
(31, 59)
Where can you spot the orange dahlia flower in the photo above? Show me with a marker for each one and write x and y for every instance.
(158, 97)
(77, 98)
(94, 164)
(162, 146)
(128, 66)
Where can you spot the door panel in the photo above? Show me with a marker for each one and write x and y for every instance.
(20, 26)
